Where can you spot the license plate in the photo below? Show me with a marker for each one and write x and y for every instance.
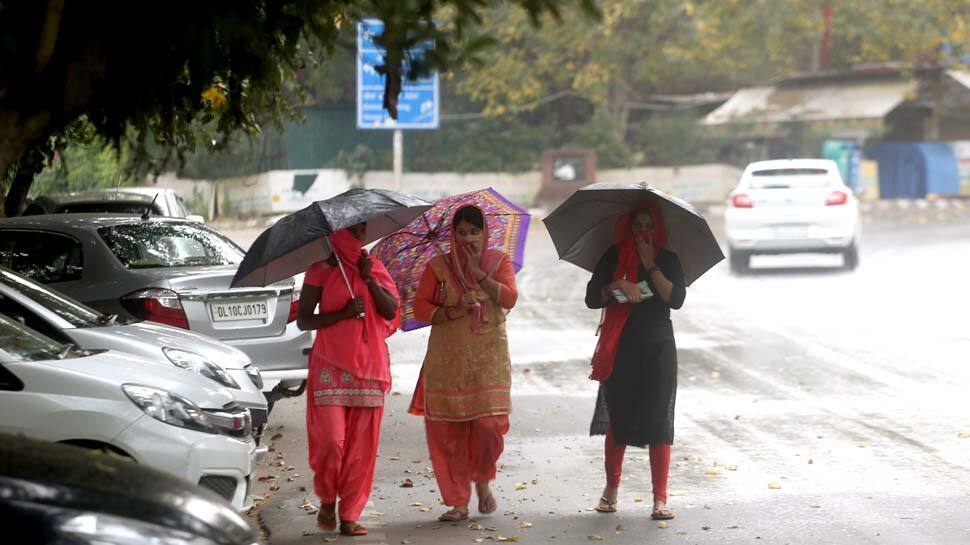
(791, 231)
(238, 311)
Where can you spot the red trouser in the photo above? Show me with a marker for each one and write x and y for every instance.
(463, 452)
(342, 445)
(659, 465)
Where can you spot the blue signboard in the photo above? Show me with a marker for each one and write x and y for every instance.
(417, 106)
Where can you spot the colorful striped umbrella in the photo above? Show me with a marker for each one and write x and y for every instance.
(407, 252)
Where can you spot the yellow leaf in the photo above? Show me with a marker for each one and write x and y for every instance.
(774, 485)
(661, 524)
(964, 435)
(594, 537)
(520, 486)
(507, 538)
(525, 525)
(474, 526)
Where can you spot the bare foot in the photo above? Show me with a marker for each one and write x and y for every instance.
(607, 503)
(486, 500)
(327, 517)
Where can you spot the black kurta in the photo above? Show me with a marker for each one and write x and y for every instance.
(639, 396)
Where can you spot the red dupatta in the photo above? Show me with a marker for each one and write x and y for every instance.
(355, 345)
(458, 264)
(615, 314)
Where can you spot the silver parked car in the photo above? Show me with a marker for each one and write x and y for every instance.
(70, 322)
(171, 271)
(123, 200)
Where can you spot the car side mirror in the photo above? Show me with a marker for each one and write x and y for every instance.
(195, 217)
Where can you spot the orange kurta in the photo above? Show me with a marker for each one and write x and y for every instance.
(466, 374)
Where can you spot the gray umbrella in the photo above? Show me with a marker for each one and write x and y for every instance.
(583, 227)
(300, 239)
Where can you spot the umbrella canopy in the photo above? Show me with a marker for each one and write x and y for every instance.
(300, 239)
(583, 227)
(407, 252)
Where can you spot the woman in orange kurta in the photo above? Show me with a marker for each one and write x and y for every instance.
(463, 391)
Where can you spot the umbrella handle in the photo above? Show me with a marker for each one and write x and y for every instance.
(343, 273)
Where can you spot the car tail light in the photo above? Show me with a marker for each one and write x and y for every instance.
(837, 198)
(294, 306)
(156, 305)
(741, 200)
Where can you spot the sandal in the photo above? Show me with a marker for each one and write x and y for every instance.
(454, 515)
(606, 506)
(351, 528)
(487, 504)
(662, 514)
(327, 517)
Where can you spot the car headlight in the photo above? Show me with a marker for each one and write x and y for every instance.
(199, 364)
(169, 408)
(102, 529)
(255, 376)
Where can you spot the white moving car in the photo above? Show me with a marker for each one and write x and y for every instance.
(155, 414)
(67, 321)
(792, 206)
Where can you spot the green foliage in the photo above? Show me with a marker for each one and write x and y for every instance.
(356, 163)
(84, 166)
(674, 139)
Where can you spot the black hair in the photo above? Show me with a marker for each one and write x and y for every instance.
(470, 213)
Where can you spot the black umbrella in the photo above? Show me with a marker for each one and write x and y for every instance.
(583, 227)
(300, 239)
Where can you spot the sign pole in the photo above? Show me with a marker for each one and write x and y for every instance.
(398, 158)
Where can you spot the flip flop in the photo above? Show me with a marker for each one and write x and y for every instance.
(453, 515)
(610, 506)
(662, 514)
(351, 528)
(327, 517)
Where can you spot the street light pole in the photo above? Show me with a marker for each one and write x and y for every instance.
(398, 158)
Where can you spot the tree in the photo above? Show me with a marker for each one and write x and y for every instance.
(180, 75)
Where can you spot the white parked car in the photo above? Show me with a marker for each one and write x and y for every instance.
(792, 206)
(67, 321)
(155, 414)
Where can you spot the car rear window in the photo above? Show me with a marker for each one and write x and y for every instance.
(77, 314)
(783, 178)
(152, 245)
(107, 208)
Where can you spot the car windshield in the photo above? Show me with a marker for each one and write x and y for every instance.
(107, 208)
(150, 245)
(77, 314)
(20, 343)
(784, 178)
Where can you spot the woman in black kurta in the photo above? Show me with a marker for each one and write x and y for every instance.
(635, 404)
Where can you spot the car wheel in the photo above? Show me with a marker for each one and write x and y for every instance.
(740, 261)
(850, 257)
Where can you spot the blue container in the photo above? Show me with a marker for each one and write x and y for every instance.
(911, 170)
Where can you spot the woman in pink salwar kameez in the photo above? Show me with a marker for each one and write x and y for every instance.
(348, 376)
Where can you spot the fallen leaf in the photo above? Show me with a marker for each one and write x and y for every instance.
(535, 481)
(712, 473)
(594, 537)
(525, 525)
(312, 511)
(774, 485)
(309, 532)
(265, 478)
(733, 527)
(474, 526)
(376, 514)
(407, 484)
(405, 542)
(706, 528)
(520, 486)
(290, 468)
(275, 487)
(811, 462)
(276, 437)
(395, 458)
(677, 493)
(816, 506)
(416, 461)
(507, 538)
(715, 375)
(415, 504)
(732, 467)
(258, 498)
(661, 524)
(302, 489)
(964, 435)
(329, 539)
(307, 504)
(682, 533)
(637, 500)
(619, 528)
(425, 509)
(271, 449)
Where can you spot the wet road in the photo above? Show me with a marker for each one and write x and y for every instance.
(815, 405)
